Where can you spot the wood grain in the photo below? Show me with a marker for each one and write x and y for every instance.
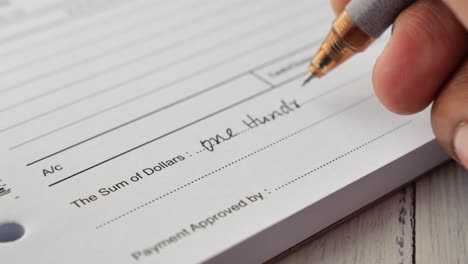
(442, 216)
(380, 234)
(384, 232)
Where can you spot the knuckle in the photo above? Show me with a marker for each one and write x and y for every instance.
(460, 79)
(449, 108)
(423, 21)
(428, 20)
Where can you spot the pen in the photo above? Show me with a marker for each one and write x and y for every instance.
(353, 31)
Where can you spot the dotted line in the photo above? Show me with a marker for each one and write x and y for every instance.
(297, 132)
(238, 134)
(188, 184)
(243, 131)
(200, 151)
(341, 156)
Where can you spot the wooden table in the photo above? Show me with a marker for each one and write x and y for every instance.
(425, 222)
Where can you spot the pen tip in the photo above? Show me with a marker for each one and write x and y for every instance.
(309, 77)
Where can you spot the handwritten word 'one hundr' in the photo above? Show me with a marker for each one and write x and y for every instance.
(284, 109)
(251, 122)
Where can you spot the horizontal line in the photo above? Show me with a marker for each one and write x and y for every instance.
(260, 78)
(78, 30)
(160, 88)
(96, 74)
(144, 75)
(337, 87)
(259, 150)
(75, 83)
(172, 104)
(107, 53)
(17, 35)
(343, 155)
(139, 118)
(175, 130)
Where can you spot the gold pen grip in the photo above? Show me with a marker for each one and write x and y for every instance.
(344, 40)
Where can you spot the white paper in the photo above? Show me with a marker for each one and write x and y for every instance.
(164, 103)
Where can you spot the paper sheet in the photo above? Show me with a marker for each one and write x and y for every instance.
(169, 131)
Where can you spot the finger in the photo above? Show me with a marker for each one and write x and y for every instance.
(339, 5)
(460, 9)
(450, 116)
(427, 44)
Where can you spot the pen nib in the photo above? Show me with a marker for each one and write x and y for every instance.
(309, 77)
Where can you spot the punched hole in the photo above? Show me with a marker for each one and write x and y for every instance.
(10, 232)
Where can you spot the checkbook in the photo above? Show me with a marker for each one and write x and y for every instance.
(178, 131)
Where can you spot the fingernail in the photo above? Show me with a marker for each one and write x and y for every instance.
(461, 144)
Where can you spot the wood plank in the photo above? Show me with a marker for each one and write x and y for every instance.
(382, 233)
(442, 216)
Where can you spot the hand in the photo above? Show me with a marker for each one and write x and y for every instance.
(426, 61)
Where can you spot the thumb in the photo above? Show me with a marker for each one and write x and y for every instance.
(339, 5)
(450, 116)
(460, 9)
